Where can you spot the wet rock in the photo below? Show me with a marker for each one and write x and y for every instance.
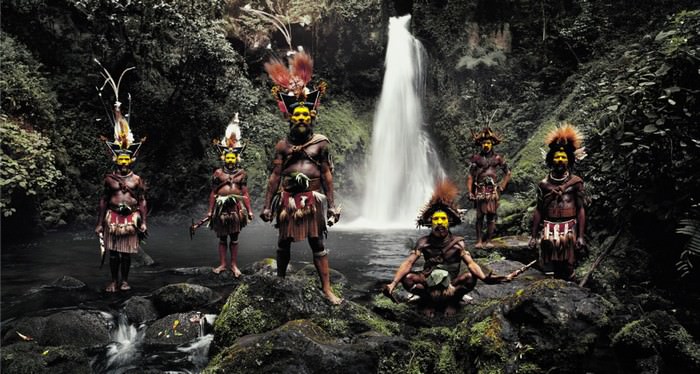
(29, 357)
(337, 278)
(139, 309)
(174, 329)
(301, 346)
(67, 282)
(182, 297)
(263, 302)
(81, 328)
(513, 248)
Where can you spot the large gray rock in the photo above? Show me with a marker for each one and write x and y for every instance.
(182, 297)
(80, 328)
(139, 309)
(300, 346)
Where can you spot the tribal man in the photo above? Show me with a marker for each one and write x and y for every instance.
(121, 220)
(482, 183)
(229, 202)
(441, 282)
(559, 220)
(302, 171)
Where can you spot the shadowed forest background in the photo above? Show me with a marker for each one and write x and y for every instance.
(626, 72)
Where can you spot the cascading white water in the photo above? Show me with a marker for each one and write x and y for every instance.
(402, 164)
(125, 347)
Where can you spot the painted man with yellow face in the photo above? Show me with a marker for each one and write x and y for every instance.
(443, 281)
(483, 184)
(121, 220)
(302, 172)
(559, 220)
(229, 202)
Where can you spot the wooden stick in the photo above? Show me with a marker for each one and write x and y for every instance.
(600, 259)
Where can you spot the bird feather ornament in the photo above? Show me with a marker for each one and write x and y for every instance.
(122, 133)
(568, 136)
(232, 135)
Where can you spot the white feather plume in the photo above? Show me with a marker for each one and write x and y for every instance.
(232, 133)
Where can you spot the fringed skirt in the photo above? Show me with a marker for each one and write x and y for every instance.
(486, 199)
(559, 241)
(301, 215)
(230, 215)
(120, 232)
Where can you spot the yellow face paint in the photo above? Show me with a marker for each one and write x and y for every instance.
(560, 158)
(439, 218)
(123, 160)
(487, 145)
(230, 158)
(301, 115)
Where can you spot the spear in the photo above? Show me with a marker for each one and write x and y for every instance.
(102, 250)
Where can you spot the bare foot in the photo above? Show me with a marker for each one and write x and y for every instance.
(111, 287)
(125, 286)
(488, 245)
(219, 269)
(429, 312)
(335, 300)
(479, 245)
(236, 272)
(450, 311)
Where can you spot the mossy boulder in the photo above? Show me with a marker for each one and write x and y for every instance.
(80, 328)
(174, 330)
(547, 324)
(301, 346)
(139, 309)
(654, 341)
(181, 297)
(263, 302)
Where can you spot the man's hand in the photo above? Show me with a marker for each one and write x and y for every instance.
(388, 291)
(472, 197)
(532, 243)
(143, 227)
(266, 215)
(98, 230)
(333, 215)
(580, 243)
(250, 216)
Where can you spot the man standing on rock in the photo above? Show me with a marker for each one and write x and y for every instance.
(121, 220)
(440, 283)
(302, 171)
(482, 183)
(229, 202)
(559, 220)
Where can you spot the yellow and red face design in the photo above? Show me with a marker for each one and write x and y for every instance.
(439, 219)
(230, 159)
(487, 145)
(301, 118)
(124, 160)
(560, 158)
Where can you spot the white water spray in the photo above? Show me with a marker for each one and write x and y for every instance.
(402, 166)
(125, 346)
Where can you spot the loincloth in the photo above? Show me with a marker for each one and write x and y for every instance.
(559, 241)
(121, 231)
(486, 198)
(230, 215)
(300, 214)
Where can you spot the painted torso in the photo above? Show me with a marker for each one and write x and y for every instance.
(127, 189)
(225, 182)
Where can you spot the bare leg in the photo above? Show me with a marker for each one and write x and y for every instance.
(234, 255)
(222, 255)
(283, 256)
(479, 222)
(114, 271)
(490, 229)
(323, 269)
(125, 264)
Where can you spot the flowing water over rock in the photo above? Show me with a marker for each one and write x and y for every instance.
(402, 163)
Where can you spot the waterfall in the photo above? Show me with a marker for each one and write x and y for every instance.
(125, 348)
(402, 167)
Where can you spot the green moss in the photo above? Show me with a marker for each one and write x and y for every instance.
(528, 368)
(375, 322)
(238, 317)
(683, 342)
(334, 326)
(239, 359)
(485, 336)
(528, 165)
(447, 363)
(637, 335)
(383, 302)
